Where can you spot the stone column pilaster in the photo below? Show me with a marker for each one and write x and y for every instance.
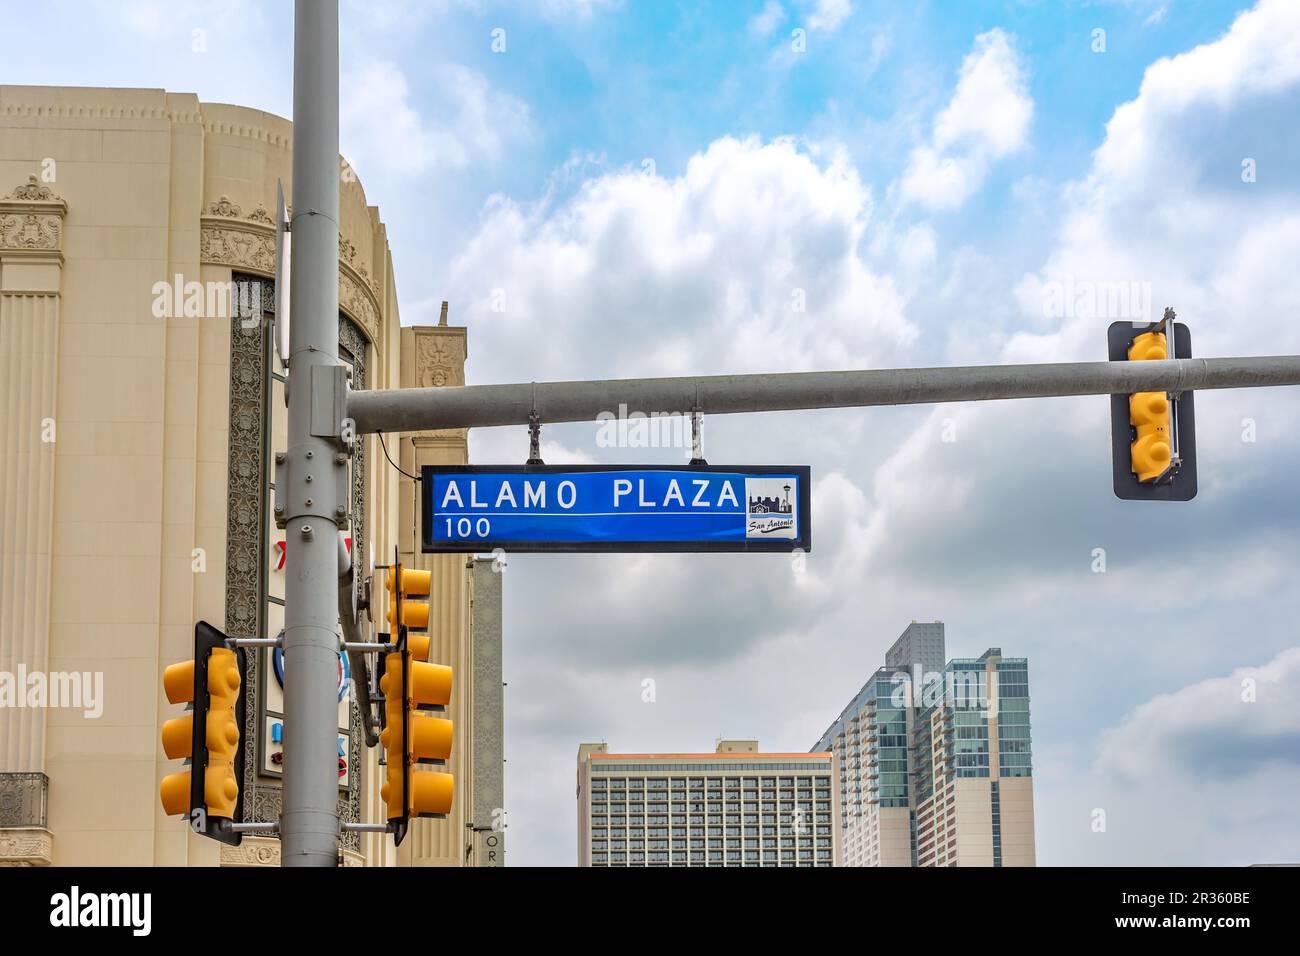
(434, 356)
(31, 265)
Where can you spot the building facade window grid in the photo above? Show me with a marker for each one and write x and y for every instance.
(725, 819)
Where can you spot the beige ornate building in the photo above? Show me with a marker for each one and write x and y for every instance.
(140, 408)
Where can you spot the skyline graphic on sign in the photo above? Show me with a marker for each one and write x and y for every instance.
(771, 507)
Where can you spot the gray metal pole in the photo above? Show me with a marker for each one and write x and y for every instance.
(309, 825)
(477, 406)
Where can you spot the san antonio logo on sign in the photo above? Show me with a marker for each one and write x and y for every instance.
(771, 506)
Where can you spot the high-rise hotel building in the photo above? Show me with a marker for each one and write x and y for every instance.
(973, 795)
(871, 739)
(733, 807)
(935, 761)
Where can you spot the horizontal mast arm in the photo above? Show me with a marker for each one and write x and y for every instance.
(478, 406)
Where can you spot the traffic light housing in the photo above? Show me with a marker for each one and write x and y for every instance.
(1144, 425)
(408, 616)
(413, 688)
(208, 736)
(403, 584)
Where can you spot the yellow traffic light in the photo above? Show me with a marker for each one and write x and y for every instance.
(178, 737)
(430, 738)
(207, 736)
(1149, 413)
(430, 685)
(175, 790)
(178, 682)
(412, 686)
(412, 736)
(404, 583)
(1151, 450)
(431, 794)
(1149, 346)
(1153, 433)
(393, 738)
(221, 733)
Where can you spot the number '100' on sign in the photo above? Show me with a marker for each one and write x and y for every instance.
(616, 508)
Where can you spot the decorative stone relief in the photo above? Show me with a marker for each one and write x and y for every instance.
(248, 244)
(245, 515)
(358, 300)
(30, 232)
(439, 359)
(238, 248)
(27, 847)
(33, 191)
(352, 345)
(281, 138)
(224, 207)
(31, 218)
(252, 851)
(265, 851)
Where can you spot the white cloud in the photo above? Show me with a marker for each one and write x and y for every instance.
(1156, 211)
(827, 15)
(382, 129)
(156, 20)
(1221, 727)
(582, 9)
(1156, 16)
(1258, 58)
(1201, 775)
(398, 15)
(1013, 508)
(748, 261)
(768, 19)
(987, 119)
(1210, 244)
(917, 252)
(511, 444)
(145, 18)
(402, 14)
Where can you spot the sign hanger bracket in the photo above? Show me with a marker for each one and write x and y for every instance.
(697, 437)
(534, 434)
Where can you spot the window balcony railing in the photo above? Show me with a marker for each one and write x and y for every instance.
(24, 799)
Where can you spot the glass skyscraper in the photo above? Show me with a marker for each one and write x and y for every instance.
(935, 761)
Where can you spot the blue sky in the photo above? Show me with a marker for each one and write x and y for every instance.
(610, 84)
(924, 178)
(627, 82)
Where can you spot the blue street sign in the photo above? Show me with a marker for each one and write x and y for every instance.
(616, 508)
